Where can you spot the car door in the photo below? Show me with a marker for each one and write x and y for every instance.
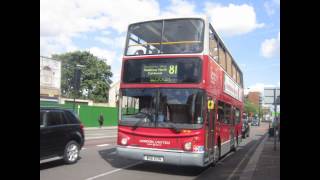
(44, 143)
(54, 133)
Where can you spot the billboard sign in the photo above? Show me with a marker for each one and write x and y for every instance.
(269, 96)
(231, 88)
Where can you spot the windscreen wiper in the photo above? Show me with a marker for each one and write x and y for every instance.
(174, 127)
(136, 125)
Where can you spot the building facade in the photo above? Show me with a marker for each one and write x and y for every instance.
(50, 78)
(114, 94)
(254, 97)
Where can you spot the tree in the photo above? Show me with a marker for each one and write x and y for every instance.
(95, 76)
(249, 107)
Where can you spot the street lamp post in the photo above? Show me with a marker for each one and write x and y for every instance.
(260, 103)
(76, 83)
(275, 120)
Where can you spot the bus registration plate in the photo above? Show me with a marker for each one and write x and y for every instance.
(153, 158)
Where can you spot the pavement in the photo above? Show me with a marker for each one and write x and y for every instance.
(268, 165)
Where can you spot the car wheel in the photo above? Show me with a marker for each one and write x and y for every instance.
(71, 152)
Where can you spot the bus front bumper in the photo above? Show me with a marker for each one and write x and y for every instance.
(167, 156)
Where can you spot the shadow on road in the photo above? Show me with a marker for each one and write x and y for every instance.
(110, 156)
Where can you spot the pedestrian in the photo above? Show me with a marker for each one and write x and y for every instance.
(101, 119)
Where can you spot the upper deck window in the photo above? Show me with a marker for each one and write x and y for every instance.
(176, 36)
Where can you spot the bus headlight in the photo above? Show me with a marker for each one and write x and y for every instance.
(124, 141)
(188, 146)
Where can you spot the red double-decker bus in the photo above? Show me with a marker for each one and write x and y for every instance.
(181, 94)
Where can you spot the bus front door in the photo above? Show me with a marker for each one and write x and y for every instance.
(211, 121)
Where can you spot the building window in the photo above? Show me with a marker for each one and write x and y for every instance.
(47, 75)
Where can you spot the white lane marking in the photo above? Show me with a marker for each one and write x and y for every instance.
(113, 171)
(100, 137)
(239, 164)
(51, 159)
(247, 173)
(101, 145)
(83, 148)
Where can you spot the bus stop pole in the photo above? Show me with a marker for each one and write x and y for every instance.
(275, 121)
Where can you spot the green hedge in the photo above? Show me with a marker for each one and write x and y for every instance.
(89, 114)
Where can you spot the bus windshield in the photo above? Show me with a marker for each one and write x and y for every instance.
(176, 36)
(163, 107)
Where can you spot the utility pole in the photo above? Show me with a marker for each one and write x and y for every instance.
(260, 103)
(76, 83)
(275, 120)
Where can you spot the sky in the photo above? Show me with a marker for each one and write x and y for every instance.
(250, 30)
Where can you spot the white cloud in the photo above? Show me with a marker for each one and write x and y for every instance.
(259, 87)
(271, 47)
(103, 54)
(116, 75)
(53, 45)
(62, 19)
(232, 19)
(122, 12)
(271, 6)
(180, 8)
(113, 42)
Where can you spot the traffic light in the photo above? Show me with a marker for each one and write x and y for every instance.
(76, 80)
(278, 100)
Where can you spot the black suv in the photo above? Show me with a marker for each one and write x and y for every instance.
(61, 135)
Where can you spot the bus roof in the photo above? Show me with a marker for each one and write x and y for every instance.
(205, 18)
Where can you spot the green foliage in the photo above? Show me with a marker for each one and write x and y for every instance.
(249, 107)
(95, 76)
